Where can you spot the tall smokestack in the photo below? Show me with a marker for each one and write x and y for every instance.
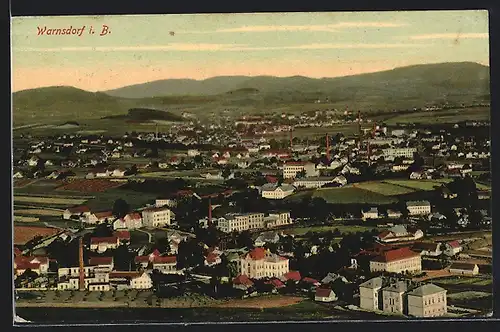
(327, 147)
(359, 129)
(209, 211)
(82, 272)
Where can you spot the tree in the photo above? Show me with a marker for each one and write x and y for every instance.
(102, 230)
(122, 259)
(245, 240)
(226, 172)
(301, 174)
(233, 270)
(120, 208)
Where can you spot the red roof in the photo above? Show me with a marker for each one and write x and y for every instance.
(212, 258)
(293, 275)
(30, 262)
(134, 216)
(271, 179)
(257, 253)
(323, 292)
(396, 255)
(102, 215)
(17, 251)
(122, 235)
(97, 240)
(79, 209)
(124, 274)
(454, 244)
(276, 283)
(242, 280)
(155, 253)
(100, 261)
(165, 260)
(310, 280)
(141, 259)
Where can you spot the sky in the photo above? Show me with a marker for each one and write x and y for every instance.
(143, 48)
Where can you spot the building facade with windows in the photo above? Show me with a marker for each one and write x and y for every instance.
(260, 263)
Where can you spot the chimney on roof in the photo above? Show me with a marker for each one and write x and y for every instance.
(82, 272)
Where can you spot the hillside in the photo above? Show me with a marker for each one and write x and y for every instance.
(406, 87)
(433, 80)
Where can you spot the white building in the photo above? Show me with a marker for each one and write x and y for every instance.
(418, 208)
(290, 169)
(370, 214)
(313, 182)
(168, 202)
(392, 297)
(398, 152)
(427, 301)
(260, 263)
(369, 294)
(157, 217)
(272, 191)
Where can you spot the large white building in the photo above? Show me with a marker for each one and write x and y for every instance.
(369, 294)
(427, 301)
(157, 217)
(393, 297)
(272, 191)
(260, 263)
(313, 182)
(400, 260)
(399, 152)
(291, 168)
(418, 208)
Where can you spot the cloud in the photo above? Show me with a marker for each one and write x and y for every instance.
(450, 36)
(180, 47)
(313, 28)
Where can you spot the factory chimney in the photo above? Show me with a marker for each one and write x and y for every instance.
(209, 211)
(359, 129)
(327, 147)
(82, 272)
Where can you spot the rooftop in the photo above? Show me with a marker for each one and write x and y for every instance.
(373, 283)
(427, 289)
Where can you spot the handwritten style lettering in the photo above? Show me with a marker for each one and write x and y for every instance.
(58, 32)
(105, 30)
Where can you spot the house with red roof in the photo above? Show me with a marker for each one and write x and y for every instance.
(77, 211)
(105, 262)
(130, 280)
(164, 264)
(212, 259)
(101, 244)
(261, 263)
(276, 283)
(36, 264)
(292, 275)
(97, 217)
(325, 295)
(453, 248)
(399, 260)
(242, 282)
(122, 235)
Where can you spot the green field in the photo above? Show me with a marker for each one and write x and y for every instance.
(351, 195)
(442, 116)
(418, 184)
(344, 229)
(384, 188)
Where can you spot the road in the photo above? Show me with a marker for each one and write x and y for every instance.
(150, 236)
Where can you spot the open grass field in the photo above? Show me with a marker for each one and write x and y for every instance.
(48, 200)
(416, 184)
(344, 229)
(442, 116)
(384, 188)
(37, 212)
(352, 195)
(26, 219)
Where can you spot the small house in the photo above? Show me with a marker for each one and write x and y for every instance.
(467, 269)
(325, 295)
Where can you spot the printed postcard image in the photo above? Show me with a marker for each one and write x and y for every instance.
(259, 167)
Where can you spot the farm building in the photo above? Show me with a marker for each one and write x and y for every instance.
(325, 295)
(464, 269)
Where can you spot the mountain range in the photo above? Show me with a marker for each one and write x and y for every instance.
(398, 88)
